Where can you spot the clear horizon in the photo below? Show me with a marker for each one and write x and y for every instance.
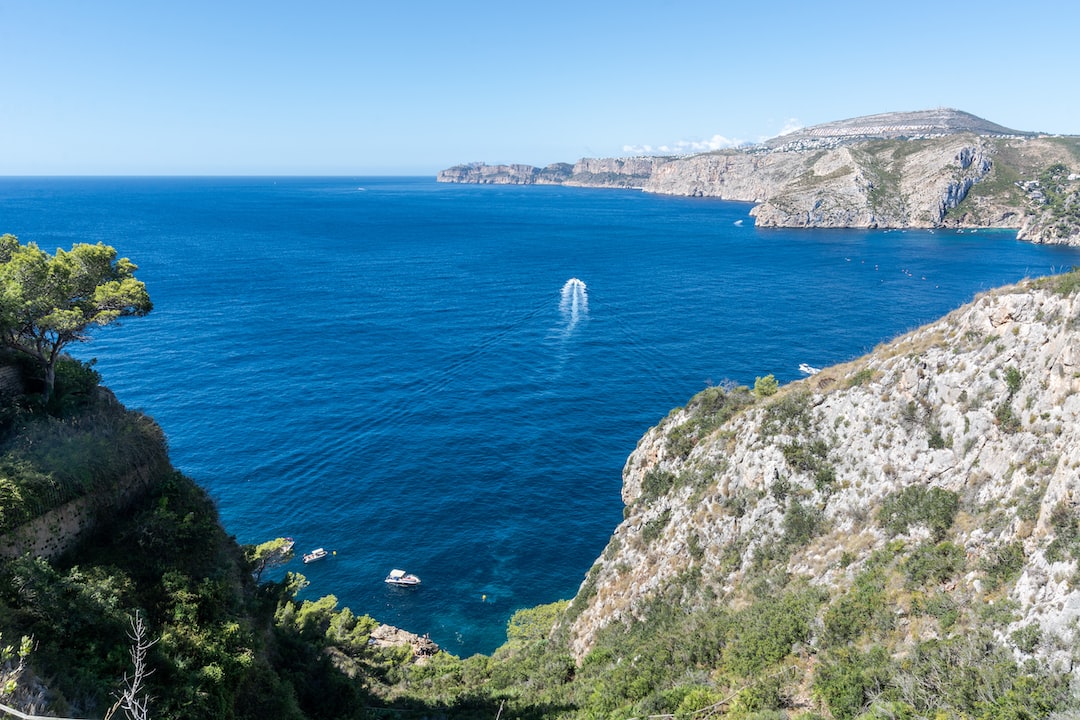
(122, 88)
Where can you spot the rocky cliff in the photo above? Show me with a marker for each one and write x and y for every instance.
(932, 169)
(955, 447)
(481, 174)
(588, 172)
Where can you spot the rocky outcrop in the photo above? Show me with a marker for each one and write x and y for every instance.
(481, 174)
(591, 172)
(932, 169)
(896, 184)
(614, 172)
(387, 636)
(981, 407)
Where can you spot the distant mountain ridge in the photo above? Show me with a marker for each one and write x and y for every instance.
(940, 168)
(893, 125)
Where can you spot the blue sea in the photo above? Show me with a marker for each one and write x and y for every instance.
(448, 379)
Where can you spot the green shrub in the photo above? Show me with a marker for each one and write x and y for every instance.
(858, 610)
(919, 505)
(766, 386)
(757, 701)
(1006, 417)
(805, 457)
(1066, 524)
(1027, 638)
(1013, 378)
(846, 678)
(75, 386)
(937, 605)
(862, 377)
(780, 488)
(655, 528)
(972, 675)
(656, 483)
(694, 546)
(930, 563)
(707, 411)
(1004, 563)
(789, 414)
(764, 633)
(800, 524)
(697, 700)
(811, 458)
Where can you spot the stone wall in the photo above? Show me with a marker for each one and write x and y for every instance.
(62, 527)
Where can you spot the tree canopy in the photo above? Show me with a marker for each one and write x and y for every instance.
(50, 301)
(273, 553)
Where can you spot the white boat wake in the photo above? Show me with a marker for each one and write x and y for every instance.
(573, 303)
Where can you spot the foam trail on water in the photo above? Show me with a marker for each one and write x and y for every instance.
(573, 303)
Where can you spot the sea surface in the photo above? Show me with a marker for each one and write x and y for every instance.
(448, 379)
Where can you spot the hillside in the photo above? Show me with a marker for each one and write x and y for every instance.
(928, 169)
(97, 529)
(935, 479)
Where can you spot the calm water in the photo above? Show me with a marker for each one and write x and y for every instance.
(405, 373)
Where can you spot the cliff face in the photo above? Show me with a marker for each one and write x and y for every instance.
(590, 172)
(481, 174)
(960, 438)
(889, 184)
(614, 172)
(931, 169)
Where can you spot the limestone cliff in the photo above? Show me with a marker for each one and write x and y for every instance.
(481, 174)
(930, 169)
(960, 438)
(614, 172)
(590, 172)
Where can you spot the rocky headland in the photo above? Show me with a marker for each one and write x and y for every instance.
(930, 169)
(959, 440)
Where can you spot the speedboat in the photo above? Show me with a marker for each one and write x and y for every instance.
(400, 577)
(316, 554)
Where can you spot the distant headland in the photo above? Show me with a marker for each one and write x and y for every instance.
(938, 168)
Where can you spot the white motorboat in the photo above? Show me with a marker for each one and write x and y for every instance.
(400, 577)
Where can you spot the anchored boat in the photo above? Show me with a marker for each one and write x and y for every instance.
(400, 577)
(316, 554)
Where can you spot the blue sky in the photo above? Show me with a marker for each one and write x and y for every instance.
(361, 87)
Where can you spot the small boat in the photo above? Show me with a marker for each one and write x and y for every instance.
(400, 577)
(316, 554)
(806, 369)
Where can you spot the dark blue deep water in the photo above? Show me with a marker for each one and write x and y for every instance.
(403, 373)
